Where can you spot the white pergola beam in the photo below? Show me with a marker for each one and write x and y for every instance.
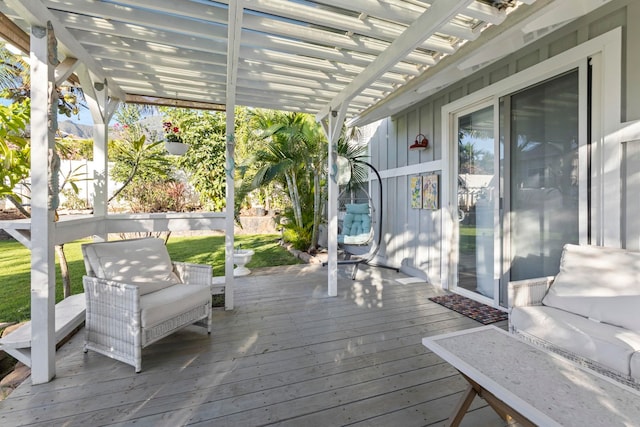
(405, 12)
(82, 27)
(377, 29)
(245, 94)
(65, 69)
(423, 27)
(308, 66)
(380, 30)
(485, 12)
(503, 39)
(254, 41)
(35, 13)
(102, 109)
(113, 21)
(313, 35)
(147, 18)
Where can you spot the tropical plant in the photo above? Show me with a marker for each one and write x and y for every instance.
(293, 151)
(135, 159)
(205, 160)
(355, 153)
(14, 147)
(15, 155)
(15, 83)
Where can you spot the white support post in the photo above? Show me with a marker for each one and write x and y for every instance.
(102, 109)
(229, 219)
(100, 174)
(43, 204)
(332, 127)
(233, 52)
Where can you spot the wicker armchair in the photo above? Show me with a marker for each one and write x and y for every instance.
(135, 296)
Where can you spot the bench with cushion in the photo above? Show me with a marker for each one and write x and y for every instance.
(136, 295)
(69, 316)
(587, 312)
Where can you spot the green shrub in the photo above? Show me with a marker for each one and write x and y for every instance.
(73, 201)
(299, 237)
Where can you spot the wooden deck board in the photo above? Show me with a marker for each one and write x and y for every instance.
(287, 355)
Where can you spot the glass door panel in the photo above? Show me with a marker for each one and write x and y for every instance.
(475, 194)
(543, 147)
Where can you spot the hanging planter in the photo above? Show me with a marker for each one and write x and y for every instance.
(176, 148)
(173, 141)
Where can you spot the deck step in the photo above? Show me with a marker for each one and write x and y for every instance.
(70, 314)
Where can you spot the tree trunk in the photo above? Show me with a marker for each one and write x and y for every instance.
(18, 206)
(295, 200)
(297, 206)
(126, 182)
(316, 212)
(64, 270)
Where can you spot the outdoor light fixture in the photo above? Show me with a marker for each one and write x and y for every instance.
(420, 143)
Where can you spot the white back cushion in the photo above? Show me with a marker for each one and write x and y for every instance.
(137, 262)
(600, 283)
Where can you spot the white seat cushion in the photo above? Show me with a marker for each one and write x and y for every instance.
(142, 262)
(169, 302)
(599, 283)
(635, 365)
(609, 345)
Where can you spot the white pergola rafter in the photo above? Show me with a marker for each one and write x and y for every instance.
(35, 13)
(427, 24)
(340, 38)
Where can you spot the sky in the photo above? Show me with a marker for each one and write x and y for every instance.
(84, 118)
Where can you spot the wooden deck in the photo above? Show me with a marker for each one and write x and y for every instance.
(287, 355)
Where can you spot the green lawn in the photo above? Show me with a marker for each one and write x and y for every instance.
(15, 265)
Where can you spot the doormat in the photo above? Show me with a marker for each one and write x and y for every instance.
(470, 308)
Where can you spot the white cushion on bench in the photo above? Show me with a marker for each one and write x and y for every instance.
(159, 306)
(634, 366)
(142, 262)
(603, 343)
(599, 283)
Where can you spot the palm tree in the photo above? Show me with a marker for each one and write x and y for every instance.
(283, 155)
(315, 143)
(14, 71)
(15, 83)
(294, 151)
(354, 153)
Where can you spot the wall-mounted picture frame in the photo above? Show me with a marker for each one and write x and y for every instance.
(430, 192)
(415, 188)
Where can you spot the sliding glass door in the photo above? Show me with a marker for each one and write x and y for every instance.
(541, 143)
(517, 194)
(476, 189)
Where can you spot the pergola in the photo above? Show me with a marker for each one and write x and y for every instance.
(342, 60)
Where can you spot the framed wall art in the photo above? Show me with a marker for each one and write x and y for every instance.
(415, 187)
(430, 192)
